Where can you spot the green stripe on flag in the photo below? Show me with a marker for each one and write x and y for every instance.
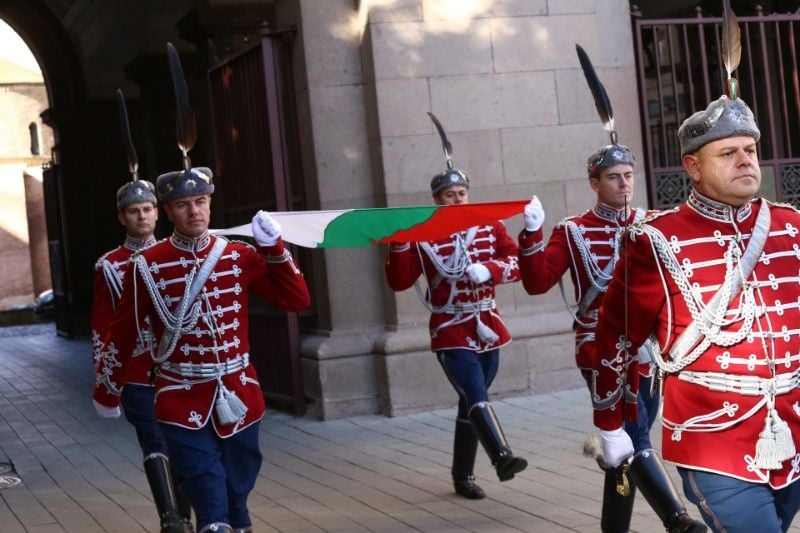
(363, 227)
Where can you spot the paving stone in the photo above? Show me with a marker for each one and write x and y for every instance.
(367, 473)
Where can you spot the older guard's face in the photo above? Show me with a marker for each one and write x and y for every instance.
(726, 170)
(190, 215)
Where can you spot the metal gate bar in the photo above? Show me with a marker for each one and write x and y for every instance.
(680, 70)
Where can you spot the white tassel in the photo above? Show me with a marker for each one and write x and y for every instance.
(766, 455)
(237, 406)
(229, 407)
(485, 333)
(784, 442)
(224, 411)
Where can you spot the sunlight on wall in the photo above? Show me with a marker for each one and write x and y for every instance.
(456, 9)
(12, 191)
(14, 49)
(447, 16)
(22, 234)
(359, 22)
(12, 198)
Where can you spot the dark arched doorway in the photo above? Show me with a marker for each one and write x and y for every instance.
(49, 43)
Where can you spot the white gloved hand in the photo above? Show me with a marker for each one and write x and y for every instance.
(266, 230)
(105, 411)
(534, 215)
(617, 446)
(478, 273)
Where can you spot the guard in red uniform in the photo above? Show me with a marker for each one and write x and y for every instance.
(137, 211)
(208, 399)
(715, 282)
(466, 330)
(589, 246)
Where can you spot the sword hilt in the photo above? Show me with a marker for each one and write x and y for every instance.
(623, 482)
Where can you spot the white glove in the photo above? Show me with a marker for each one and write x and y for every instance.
(617, 446)
(106, 412)
(534, 215)
(266, 230)
(478, 273)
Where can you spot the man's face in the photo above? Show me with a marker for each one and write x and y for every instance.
(726, 170)
(614, 186)
(139, 219)
(456, 194)
(190, 215)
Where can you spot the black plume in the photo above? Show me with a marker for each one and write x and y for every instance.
(446, 146)
(187, 128)
(601, 100)
(133, 161)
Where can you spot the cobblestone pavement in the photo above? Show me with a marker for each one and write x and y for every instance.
(367, 473)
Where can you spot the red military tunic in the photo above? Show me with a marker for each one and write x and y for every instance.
(461, 311)
(731, 402)
(587, 245)
(109, 273)
(211, 353)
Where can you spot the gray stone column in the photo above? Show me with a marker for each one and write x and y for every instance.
(338, 361)
(504, 79)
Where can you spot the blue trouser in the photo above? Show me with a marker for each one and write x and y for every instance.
(471, 373)
(218, 474)
(735, 506)
(137, 403)
(647, 410)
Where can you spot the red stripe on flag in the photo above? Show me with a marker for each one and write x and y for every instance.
(452, 218)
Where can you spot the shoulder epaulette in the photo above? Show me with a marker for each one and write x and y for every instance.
(784, 205)
(99, 263)
(656, 215)
(564, 220)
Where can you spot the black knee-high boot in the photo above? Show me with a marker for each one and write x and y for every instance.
(648, 472)
(184, 506)
(491, 436)
(156, 467)
(465, 447)
(617, 508)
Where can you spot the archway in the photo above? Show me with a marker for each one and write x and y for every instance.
(35, 23)
(25, 146)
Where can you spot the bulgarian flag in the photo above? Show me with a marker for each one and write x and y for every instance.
(358, 228)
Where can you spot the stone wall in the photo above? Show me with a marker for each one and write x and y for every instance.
(504, 79)
(24, 270)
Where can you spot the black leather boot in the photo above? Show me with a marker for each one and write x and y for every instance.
(648, 472)
(465, 447)
(184, 507)
(156, 467)
(617, 509)
(491, 436)
(468, 488)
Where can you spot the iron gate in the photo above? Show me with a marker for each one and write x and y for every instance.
(257, 159)
(680, 71)
(53, 188)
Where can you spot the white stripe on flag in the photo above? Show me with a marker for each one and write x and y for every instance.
(303, 228)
